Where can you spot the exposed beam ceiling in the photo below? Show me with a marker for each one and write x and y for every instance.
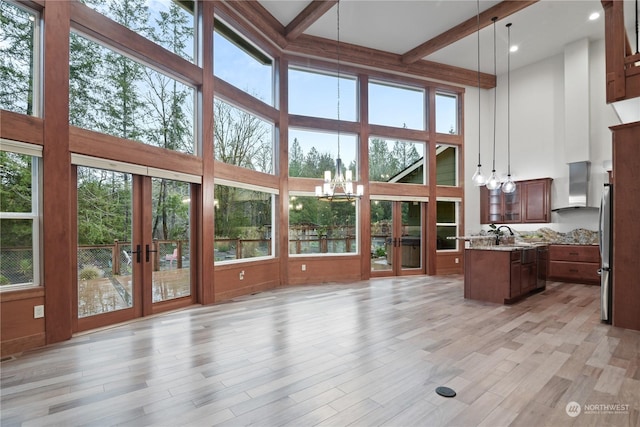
(307, 17)
(464, 29)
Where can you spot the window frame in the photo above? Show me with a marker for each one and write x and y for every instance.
(274, 192)
(35, 151)
(456, 223)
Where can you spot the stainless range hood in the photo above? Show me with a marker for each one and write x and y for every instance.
(578, 186)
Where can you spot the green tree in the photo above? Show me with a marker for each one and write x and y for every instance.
(17, 30)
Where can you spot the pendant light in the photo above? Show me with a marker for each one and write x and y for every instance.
(342, 179)
(478, 178)
(509, 186)
(493, 183)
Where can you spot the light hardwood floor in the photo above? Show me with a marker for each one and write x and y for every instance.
(363, 354)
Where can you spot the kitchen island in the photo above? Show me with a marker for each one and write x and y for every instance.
(502, 274)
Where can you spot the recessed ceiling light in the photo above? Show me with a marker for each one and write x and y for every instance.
(513, 48)
(594, 16)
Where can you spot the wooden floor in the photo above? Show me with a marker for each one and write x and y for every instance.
(362, 354)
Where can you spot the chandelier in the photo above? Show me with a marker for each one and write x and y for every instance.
(340, 187)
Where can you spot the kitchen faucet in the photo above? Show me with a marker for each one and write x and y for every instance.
(498, 232)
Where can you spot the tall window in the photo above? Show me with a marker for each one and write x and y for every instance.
(240, 63)
(19, 38)
(396, 161)
(397, 106)
(243, 223)
(113, 94)
(19, 213)
(168, 23)
(242, 139)
(446, 113)
(447, 225)
(319, 227)
(322, 88)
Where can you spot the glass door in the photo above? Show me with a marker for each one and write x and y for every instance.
(134, 250)
(397, 237)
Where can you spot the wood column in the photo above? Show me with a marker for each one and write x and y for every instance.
(206, 210)
(363, 178)
(430, 164)
(281, 223)
(57, 219)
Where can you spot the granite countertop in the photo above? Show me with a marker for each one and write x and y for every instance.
(540, 237)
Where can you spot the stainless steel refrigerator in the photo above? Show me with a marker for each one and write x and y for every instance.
(605, 238)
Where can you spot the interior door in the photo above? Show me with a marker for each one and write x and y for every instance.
(134, 251)
(397, 236)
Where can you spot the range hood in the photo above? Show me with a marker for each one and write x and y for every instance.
(578, 186)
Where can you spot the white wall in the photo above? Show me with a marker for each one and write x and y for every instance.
(538, 136)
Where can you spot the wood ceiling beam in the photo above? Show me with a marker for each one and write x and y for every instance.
(468, 27)
(306, 18)
(317, 47)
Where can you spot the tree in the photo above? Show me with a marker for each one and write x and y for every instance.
(16, 59)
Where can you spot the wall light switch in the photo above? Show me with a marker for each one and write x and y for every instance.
(38, 311)
(304, 267)
(457, 260)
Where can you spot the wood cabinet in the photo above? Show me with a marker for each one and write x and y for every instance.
(574, 263)
(500, 276)
(530, 203)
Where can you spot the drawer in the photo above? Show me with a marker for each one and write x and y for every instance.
(577, 253)
(578, 272)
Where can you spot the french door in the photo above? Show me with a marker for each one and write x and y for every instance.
(134, 250)
(397, 237)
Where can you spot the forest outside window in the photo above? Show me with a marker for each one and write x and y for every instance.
(243, 223)
(313, 152)
(321, 227)
(168, 23)
(19, 215)
(19, 59)
(396, 161)
(242, 139)
(115, 95)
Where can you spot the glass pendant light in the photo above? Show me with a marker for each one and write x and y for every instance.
(509, 186)
(493, 183)
(478, 178)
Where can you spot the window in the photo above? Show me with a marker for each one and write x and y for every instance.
(322, 88)
(320, 227)
(113, 94)
(242, 139)
(447, 225)
(19, 214)
(238, 62)
(446, 165)
(396, 161)
(19, 59)
(168, 23)
(243, 223)
(446, 113)
(396, 106)
(313, 152)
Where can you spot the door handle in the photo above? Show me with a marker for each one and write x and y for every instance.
(148, 251)
(138, 253)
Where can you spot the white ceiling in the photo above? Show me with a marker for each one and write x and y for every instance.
(397, 26)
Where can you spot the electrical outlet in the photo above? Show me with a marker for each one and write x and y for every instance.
(38, 311)
(457, 260)
(304, 267)
(242, 275)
